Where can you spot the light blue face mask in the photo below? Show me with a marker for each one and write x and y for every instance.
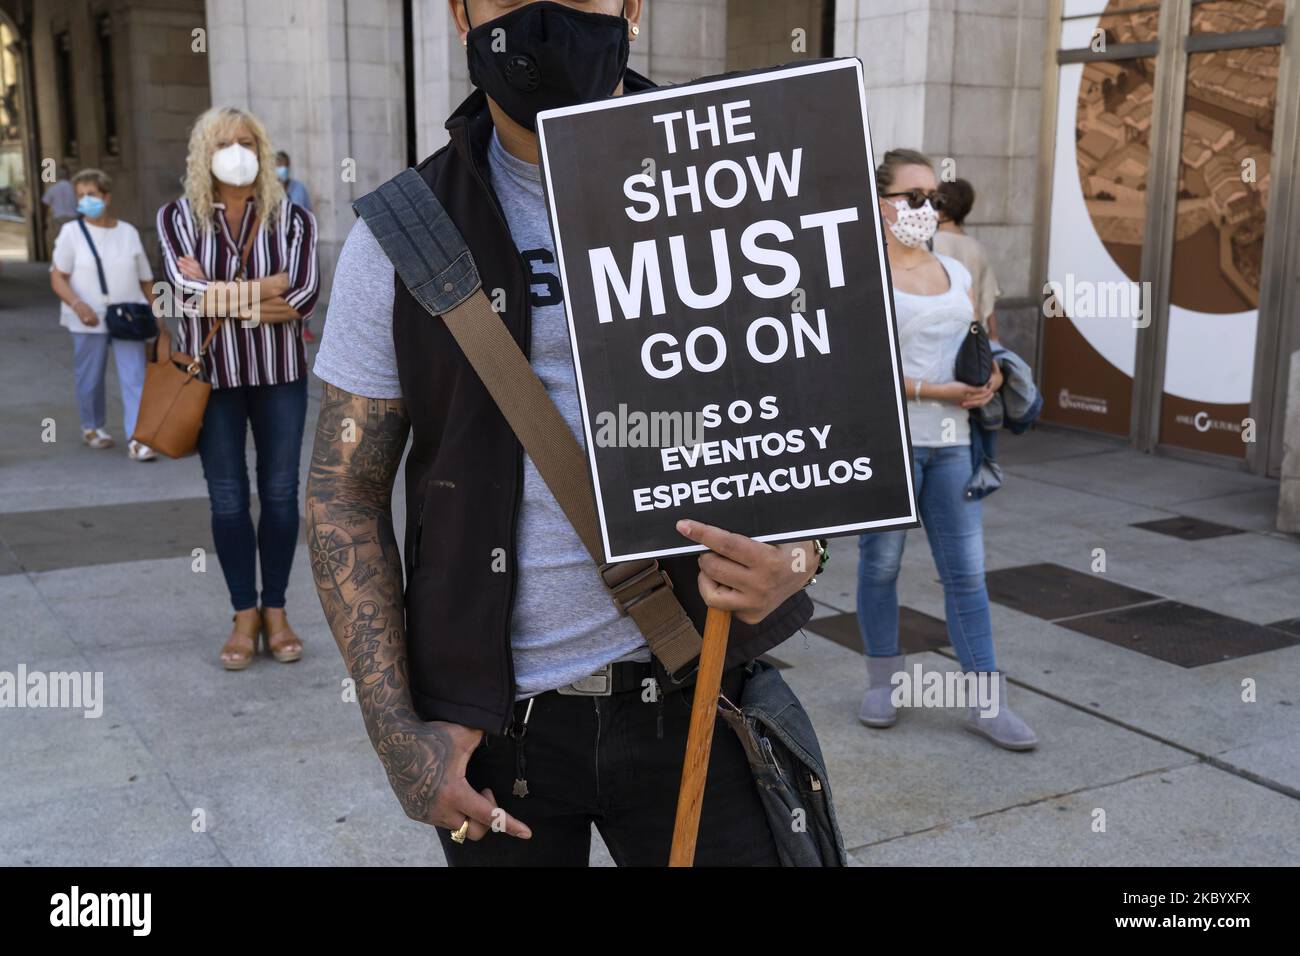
(282, 173)
(92, 207)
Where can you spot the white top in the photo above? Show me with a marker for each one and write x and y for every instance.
(125, 267)
(931, 329)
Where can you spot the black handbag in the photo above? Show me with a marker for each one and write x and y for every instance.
(124, 320)
(974, 358)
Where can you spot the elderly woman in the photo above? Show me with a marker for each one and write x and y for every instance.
(86, 293)
(235, 238)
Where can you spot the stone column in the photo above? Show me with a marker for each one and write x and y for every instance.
(326, 78)
(164, 88)
(441, 73)
(960, 80)
(681, 40)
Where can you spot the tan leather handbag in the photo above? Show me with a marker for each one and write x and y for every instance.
(174, 397)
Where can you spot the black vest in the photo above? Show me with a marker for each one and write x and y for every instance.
(464, 474)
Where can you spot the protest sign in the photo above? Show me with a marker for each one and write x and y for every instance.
(724, 276)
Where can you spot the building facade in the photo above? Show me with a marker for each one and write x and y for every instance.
(1134, 160)
(109, 84)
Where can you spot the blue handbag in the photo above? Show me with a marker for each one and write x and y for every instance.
(125, 320)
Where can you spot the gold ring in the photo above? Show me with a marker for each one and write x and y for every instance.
(458, 836)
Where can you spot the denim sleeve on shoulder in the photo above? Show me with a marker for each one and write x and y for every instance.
(356, 347)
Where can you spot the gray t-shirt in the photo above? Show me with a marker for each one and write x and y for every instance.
(564, 624)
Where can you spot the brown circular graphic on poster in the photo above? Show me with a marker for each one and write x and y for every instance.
(1113, 133)
(1227, 140)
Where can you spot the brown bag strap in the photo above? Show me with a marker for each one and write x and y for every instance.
(244, 250)
(160, 349)
(640, 589)
(207, 339)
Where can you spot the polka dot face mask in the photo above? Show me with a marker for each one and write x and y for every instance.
(914, 227)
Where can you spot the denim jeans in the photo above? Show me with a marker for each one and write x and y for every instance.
(90, 362)
(603, 761)
(952, 524)
(277, 414)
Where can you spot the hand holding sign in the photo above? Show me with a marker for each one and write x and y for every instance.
(747, 577)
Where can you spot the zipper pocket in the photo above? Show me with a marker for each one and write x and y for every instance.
(771, 757)
(416, 543)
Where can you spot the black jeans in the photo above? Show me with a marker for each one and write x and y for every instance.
(602, 760)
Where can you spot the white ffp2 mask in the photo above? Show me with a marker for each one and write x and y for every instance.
(235, 165)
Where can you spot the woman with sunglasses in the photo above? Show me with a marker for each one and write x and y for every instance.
(933, 309)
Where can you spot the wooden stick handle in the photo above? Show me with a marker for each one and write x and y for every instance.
(699, 739)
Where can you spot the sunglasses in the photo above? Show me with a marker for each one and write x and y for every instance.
(916, 198)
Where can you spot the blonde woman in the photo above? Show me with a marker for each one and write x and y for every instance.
(235, 238)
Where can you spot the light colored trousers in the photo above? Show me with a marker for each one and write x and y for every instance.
(89, 363)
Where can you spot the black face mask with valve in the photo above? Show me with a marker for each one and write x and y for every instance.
(544, 56)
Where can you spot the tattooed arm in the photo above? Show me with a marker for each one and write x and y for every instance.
(358, 572)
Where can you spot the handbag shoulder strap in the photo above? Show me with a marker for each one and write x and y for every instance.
(246, 247)
(434, 263)
(99, 266)
(207, 339)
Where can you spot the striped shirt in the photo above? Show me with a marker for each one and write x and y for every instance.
(270, 353)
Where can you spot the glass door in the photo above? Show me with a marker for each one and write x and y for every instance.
(1097, 300)
(1226, 158)
(1159, 250)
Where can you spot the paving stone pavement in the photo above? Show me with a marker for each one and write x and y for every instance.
(97, 574)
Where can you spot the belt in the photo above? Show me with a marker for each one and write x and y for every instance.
(627, 676)
(619, 677)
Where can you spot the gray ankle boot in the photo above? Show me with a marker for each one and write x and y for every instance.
(877, 710)
(1003, 728)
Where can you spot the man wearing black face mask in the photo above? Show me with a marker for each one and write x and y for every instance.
(509, 701)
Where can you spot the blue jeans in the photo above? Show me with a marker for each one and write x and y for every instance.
(952, 523)
(277, 414)
(89, 363)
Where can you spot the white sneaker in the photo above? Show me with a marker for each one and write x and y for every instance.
(137, 451)
(97, 438)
